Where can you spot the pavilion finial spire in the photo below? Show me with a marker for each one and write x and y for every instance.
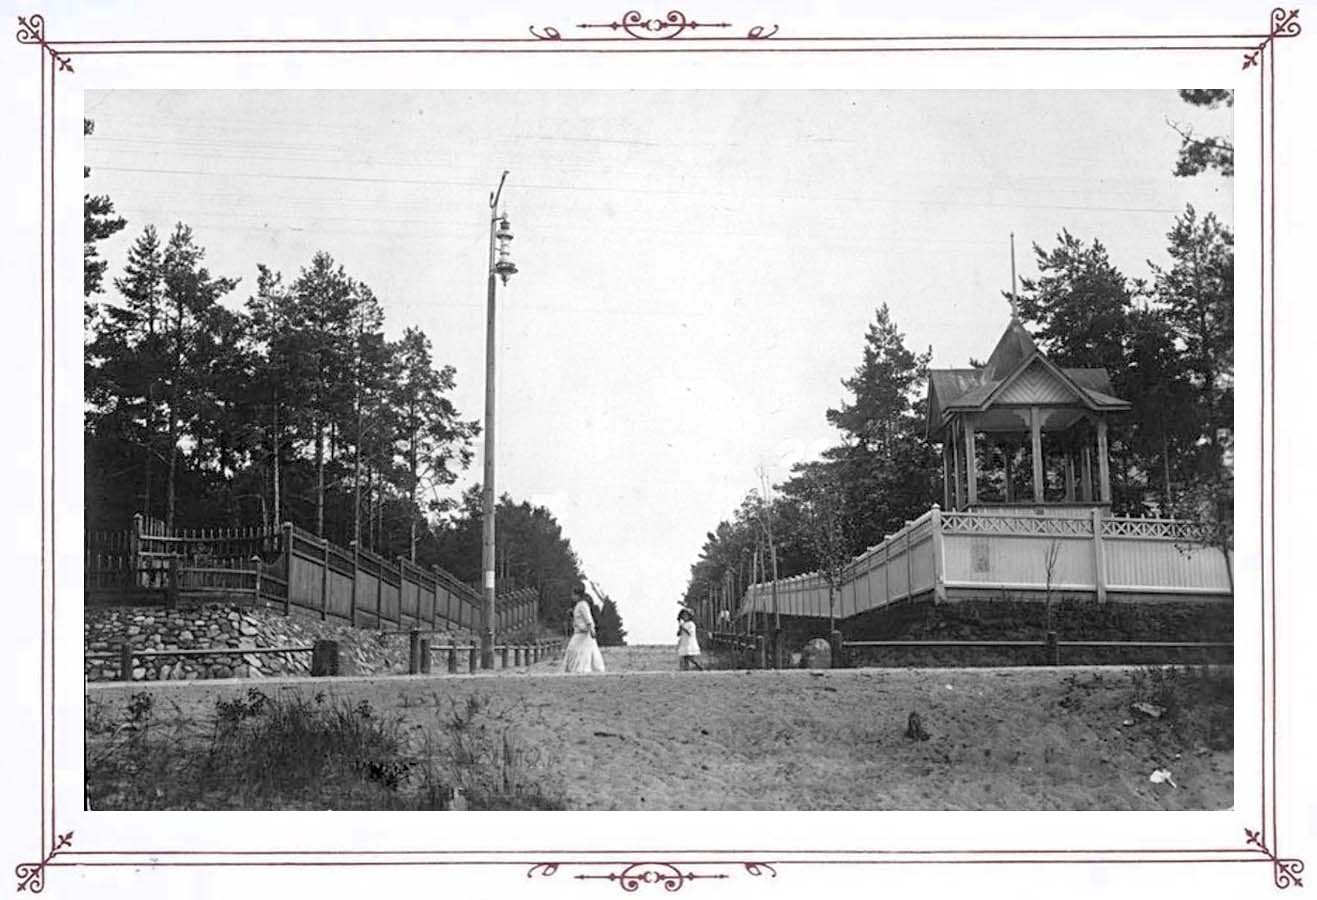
(1015, 302)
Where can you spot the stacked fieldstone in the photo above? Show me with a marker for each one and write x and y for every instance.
(235, 627)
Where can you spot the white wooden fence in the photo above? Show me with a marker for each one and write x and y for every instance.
(1007, 550)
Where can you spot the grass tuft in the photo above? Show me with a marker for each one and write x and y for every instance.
(290, 752)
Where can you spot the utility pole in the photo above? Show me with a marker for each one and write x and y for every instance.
(502, 266)
(767, 511)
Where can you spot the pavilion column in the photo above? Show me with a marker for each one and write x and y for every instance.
(971, 464)
(948, 447)
(1008, 467)
(1036, 433)
(1070, 473)
(955, 456)
(1104, 467)
(1086, 483)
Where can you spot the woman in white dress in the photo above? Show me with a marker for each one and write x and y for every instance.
(582, 653)
(688, 646)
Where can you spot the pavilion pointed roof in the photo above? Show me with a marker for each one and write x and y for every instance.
(1016, 364)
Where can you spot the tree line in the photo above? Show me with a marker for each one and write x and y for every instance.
(290, 406)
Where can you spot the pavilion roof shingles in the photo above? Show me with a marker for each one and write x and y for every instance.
(967, 389)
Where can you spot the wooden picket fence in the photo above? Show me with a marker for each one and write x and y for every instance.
(286, 567)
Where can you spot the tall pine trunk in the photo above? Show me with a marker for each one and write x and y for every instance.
(148, 450)
(412, 512)
(170, 490)
(277, 520)
(320, 479)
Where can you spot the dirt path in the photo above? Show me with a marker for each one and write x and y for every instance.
(640, 739)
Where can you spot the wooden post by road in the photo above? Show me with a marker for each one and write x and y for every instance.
(125, 662)
(324, 580)
(414, 652)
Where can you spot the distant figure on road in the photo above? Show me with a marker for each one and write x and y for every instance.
(688, 647)
(582, 650)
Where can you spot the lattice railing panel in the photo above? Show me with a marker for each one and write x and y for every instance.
(990, 523)
(1156, 529)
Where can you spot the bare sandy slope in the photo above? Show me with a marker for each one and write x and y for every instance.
(633, 739)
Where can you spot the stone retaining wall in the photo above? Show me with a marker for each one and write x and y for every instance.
(239, 627)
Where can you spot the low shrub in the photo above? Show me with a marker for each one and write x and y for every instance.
(294, 752)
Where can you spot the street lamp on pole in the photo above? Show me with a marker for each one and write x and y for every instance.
(501, 266)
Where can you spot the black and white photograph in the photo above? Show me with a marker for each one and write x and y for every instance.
(581, 450)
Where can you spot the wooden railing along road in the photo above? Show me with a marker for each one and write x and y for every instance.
(286, 567)
(958, 553)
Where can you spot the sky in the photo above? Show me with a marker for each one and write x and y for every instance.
(697, 268)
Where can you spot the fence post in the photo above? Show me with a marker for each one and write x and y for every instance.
(909, 564)
(379, 592)
(452, 659)
(324, 580)
(835, 642)
(425, 656)
(761, 652)
(288, 567)
(1099, 558)
(135, 550)
(1053, 650)
(939, 557)
(256, 567)
(473, 661)
(324, 658)
(174, 589)
(402, 588)
(414, 652)
(125, 662)
(352, 601)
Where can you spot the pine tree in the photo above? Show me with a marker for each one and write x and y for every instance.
(1197, 295)
(98, 223)
(191, 317)
(1203, 154)
(431, 440)
(887, 470)
(321, 320)
(1077, 308)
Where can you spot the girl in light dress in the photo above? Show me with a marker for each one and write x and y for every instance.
(582, 655)
(688, 647)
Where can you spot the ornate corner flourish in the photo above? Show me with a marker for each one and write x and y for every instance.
(657, 28)
(1284, 24)
(32, 30)
(671, 876)
(1285, 872)
(32, 876)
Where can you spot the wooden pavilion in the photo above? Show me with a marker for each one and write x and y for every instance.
(1021, 431)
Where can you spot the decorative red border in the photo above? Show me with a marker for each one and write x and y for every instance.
(672, 32)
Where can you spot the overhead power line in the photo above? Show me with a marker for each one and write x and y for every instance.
(361, 179)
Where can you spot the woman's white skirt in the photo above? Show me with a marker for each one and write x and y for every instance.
(582, 654)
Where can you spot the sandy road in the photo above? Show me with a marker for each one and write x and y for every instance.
(635, 738)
